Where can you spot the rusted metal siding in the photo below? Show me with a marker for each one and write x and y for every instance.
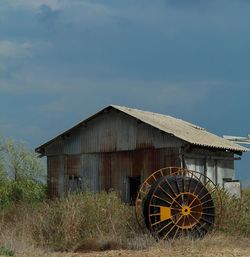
(116, 168)
(55, 176)
(112, 132)
(71, 142)
(90, 171)
(109, 171)
(109, 132)
(72, 168)
(121, 169)
(115, 131)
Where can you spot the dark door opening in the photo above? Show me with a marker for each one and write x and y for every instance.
(134, 185)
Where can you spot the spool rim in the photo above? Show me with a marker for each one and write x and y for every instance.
(183, 223)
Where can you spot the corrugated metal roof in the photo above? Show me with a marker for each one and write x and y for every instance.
(182, 129)
(179, 128)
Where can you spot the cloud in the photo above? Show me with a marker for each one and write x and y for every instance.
(10, 49)
(184, 3)
(33, 4)
(28, 132)
(81, 94)
(47, 15)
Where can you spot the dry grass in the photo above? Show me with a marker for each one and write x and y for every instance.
(236, 214)
(97, 222)
(67, 224)
(216, 246)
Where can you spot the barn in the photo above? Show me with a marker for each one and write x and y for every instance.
(118, 147)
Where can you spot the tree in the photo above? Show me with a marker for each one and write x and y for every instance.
(22, 174)
(18, 162)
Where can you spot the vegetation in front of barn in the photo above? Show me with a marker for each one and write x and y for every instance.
(83, 221)
(88, 221)
(235, 218)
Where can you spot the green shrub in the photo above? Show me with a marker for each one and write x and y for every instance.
(6, 252)
(26, 191)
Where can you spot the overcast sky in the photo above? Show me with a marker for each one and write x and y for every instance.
(63, 60)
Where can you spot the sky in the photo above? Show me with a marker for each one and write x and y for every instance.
(63, 60)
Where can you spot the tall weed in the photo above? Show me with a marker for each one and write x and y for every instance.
(65, 223)
(236, 214)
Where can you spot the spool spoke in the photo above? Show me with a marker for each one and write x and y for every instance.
(194, 218)
(205, 213)
(176, 232)
(171, 187)
(183, 223)
(158, 206)
(207, 221)
(195, 199)
(169, 196)
(165, 236)
(196, 186)
(210, 200)
(162, 199)
(164, 227)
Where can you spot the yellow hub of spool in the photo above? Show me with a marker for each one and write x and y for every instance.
(185, 210)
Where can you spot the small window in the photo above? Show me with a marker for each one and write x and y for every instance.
(74, 183)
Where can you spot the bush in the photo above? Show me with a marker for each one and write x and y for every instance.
(67, 223)
(236, 214)
(26, 191)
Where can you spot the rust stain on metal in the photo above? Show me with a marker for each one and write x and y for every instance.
(72, 167)
(137, 163)
(53, 175)
(106, 171)
(144, 145)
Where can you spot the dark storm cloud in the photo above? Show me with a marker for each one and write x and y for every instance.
(186, 58)
(47, 15)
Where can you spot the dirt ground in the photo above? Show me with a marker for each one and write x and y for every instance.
(152, 252)
(217, 246)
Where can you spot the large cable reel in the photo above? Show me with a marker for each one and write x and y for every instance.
(174, 201)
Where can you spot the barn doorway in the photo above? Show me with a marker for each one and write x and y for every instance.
(134, 185)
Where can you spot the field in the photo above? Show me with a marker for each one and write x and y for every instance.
(101, 225)
(217, 245)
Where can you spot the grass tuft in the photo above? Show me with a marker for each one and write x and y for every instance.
(6, 252)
